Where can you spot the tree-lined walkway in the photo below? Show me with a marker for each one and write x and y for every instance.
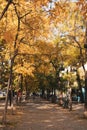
(42, 115)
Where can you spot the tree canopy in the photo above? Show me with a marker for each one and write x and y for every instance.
(37, 37)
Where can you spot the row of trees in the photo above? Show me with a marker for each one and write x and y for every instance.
(37, 39)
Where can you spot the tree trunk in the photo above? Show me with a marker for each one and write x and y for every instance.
(21, 82)
(27, 89)
(86, 90)
(80, 86)
(85, 113)
(9, 86)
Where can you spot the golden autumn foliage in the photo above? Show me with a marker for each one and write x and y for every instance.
(82, 5)
(37, 39)
(25, 69)
(31, 27)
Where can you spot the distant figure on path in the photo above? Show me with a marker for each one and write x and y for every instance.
(19, 96)
(9, 96)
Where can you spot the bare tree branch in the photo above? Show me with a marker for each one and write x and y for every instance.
(26, 14)
(5, 9)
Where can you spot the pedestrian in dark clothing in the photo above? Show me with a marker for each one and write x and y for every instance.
(10, 97)
(19, 96)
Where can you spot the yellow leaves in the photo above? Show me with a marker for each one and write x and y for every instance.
(26, 49)
(25, 7)
(71, 55)
(60, 12)
(26, 69)
(38, 3)
(35, 27)
(44, 68)
(82, 5)
(38, 24)
(2, 5)
(41, 2)
(9, 36)
(36, 21)
(44, 48)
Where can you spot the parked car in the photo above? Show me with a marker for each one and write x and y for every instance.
(2, 95)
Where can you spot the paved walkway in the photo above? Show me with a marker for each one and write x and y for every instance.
(42, 115)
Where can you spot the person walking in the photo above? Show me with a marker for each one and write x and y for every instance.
(10, 97)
